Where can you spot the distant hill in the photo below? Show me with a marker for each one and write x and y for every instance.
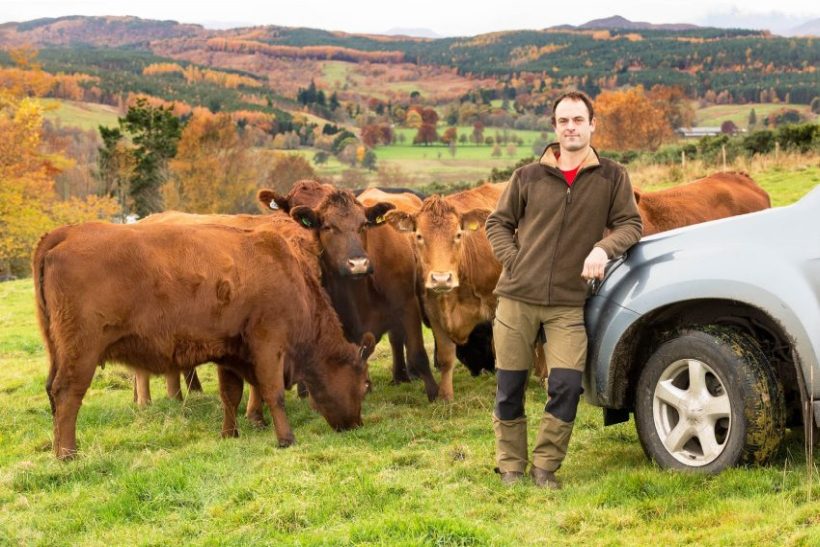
(809, 28)
(744, 65)
(416, 32)
(618, 22)
(97, 31)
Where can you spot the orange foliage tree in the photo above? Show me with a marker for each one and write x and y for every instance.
(212, 171)
(629, 120)
(29, 206)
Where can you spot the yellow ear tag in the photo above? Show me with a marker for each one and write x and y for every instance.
(379, 219)
(473, 226)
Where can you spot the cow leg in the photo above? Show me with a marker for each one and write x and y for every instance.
(192, 380)
(419, 363)
(173, 386)
(230, 391)
(254, 411)
(66, 391)
(142, 388)
(269, 363)
(396, 337)
(445, 360)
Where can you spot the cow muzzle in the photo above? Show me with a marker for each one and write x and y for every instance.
(359, 266)
(441, 281)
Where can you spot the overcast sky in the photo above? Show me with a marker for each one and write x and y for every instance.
(445, 18)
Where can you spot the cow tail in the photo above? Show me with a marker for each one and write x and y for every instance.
(46, 243)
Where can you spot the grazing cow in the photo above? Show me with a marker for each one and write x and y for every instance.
(301, 242)
(717, 196)
(377, 295)
(173, 297)
(457, 268)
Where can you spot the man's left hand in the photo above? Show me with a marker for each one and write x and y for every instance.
(595, 264)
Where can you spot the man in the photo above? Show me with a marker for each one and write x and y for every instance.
(547, 232)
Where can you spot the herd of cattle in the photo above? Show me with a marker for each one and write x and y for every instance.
(299, 296)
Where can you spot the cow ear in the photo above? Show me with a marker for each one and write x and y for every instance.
(306, 217)
(637, 194)
(474, 219)
(375, 213)
(401, 221)
(269, 199)
(367, 346)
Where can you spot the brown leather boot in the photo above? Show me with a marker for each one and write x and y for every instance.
(509, 478)
(544, 479)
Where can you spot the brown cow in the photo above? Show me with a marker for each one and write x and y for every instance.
(378, 296)
(173, 297)
(457, 268)
(717, 196)
(404, 201)
(282, 224)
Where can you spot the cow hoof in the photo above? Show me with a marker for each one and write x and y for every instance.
(445, 398)
(286, 443)
(66, 455)
(230, 434)
(258, 421)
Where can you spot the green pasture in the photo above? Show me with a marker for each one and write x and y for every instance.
(83, 115)
(415, 474)
(713, 116)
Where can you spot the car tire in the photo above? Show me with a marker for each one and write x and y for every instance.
(708, 399)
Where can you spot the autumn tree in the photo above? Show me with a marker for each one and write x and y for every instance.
(629, 120)
(450, 135)
(676, 106)
(29, 205)
(426, 134)
(288, 168)
(213, 171)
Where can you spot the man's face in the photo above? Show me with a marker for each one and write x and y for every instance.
(572, 125)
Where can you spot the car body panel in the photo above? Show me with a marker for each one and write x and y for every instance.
(769, 260)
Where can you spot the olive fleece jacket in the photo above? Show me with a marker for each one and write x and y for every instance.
(543, 229)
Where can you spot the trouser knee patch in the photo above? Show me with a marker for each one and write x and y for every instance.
(564, 389)
(509, 396)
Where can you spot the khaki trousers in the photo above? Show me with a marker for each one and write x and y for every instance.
(516, 328)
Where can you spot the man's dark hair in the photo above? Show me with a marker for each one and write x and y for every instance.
(574, 96)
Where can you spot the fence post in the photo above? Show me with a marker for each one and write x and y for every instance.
(682, 159)
(723, 152)
(776, 150)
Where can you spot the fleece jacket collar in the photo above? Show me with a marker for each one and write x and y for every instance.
(550, 158)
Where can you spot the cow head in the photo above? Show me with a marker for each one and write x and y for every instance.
(439, 233)
(339, 222)
(336, 390)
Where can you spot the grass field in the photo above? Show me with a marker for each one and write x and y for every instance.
(415, 474)
(713, 116)
(82, 115)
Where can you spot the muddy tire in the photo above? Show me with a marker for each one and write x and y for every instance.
(708, 399)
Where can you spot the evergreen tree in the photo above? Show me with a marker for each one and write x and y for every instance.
(752, 118)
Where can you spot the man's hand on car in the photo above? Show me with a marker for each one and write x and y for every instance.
(595, 264)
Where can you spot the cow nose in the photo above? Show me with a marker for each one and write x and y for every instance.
(442, 281)
(358, 265)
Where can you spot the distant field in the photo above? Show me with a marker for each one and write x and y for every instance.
(82, 115)
(713, 116)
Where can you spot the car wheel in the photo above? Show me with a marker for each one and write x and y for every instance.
(708, 399)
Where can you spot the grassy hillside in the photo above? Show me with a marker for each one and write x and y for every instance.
(415, 474)
(83, 115)
(713, 116)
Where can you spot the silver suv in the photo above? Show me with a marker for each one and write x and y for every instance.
(710, 334)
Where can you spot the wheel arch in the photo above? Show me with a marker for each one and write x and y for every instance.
(651, 329)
